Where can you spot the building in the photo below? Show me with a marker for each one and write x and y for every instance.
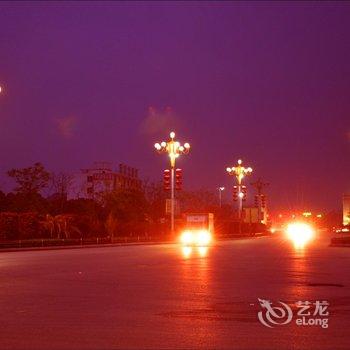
(100, 179)
(346, 209)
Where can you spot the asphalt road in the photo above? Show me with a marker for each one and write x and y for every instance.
(163, 296)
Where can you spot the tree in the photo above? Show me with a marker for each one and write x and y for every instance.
(60, 183)
(30, 180)
(129, 211)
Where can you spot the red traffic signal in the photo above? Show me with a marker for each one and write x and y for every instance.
(178, 179)
(244, 192)
(256, 201)
(166, 180)
(235, 193)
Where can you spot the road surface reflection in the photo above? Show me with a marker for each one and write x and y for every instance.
(188, 252)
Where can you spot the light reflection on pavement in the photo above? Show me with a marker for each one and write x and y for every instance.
(167, 296)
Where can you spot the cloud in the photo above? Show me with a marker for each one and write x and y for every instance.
(157, 121)
(66, 126)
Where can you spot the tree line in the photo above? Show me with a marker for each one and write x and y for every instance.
(25, 213)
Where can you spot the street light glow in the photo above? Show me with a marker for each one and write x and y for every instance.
(239, 172)
(173, 149)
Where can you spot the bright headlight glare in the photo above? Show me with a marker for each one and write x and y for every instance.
(186, 237)
(203, 238)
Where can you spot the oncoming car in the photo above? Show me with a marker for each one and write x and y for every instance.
(199, 230)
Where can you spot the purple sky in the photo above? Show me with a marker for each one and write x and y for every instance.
(265, 82)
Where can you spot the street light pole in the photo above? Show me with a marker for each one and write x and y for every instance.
(220, 192)
(259, 185)
(239, 172)
(173, 149)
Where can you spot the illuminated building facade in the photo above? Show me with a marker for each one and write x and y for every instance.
(100, 179)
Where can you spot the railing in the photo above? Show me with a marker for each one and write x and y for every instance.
(30, 243)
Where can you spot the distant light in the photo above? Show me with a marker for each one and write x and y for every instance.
(241, 194)
(307, 214)
(239, 161)
(157, 146)
(163, 144)
(172, 135)
(221, 188)
(228, 170)
(187, 145)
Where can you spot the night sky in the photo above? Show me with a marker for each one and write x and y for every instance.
(265, 82)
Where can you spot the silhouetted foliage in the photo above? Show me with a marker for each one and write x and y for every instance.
(30, 180)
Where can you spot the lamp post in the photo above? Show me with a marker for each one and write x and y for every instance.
(220, 193)
(239, 172)
(173, 149)
(259, 185)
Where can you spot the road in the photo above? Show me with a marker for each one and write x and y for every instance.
(162, 296)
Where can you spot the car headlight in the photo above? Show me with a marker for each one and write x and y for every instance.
(187, 238)
(203, 238)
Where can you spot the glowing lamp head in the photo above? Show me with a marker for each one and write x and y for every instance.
(172, 135)
(228, 170)
(157, 146)
(239, 161)
(187, 145)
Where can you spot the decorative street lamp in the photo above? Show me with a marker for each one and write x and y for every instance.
(173, 149)
(220, 193)
(239, 172)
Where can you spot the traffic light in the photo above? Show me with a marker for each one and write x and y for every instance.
(256, 201)
(166, 180)
(178, 179)
(263, 201)
(235, 193)
(244, 192)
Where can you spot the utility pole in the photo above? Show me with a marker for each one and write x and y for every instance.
(173, 149)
